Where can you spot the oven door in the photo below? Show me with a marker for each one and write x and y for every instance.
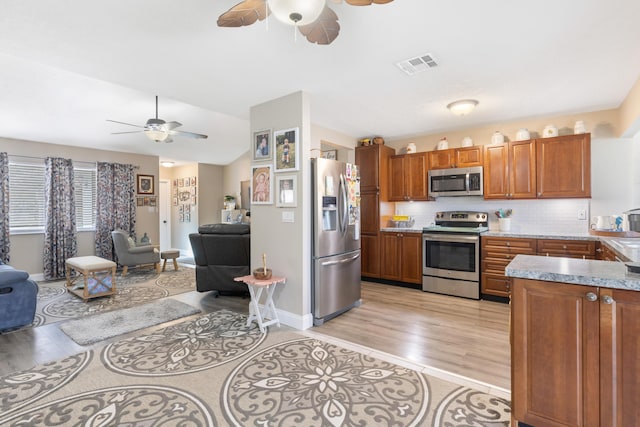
(452, 256)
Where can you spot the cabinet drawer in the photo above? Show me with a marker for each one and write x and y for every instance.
(495, 265)
(575, 248)
(497, 245)
(496, 285)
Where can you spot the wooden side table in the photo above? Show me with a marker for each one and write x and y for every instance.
(172, 254)
(256, 287)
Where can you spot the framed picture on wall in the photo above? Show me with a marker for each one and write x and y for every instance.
(145, 184)
(286, 149)
(286, 190)
(261, 185)
(329, 154)
(262, 145)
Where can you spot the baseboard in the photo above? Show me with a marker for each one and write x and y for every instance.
(293, 320)
(39, 277)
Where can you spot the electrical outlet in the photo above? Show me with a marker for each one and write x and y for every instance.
(582, 214)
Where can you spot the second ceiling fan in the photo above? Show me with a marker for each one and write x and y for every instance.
(315, 20)
(159, 130)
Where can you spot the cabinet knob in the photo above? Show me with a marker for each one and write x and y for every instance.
(539, 194)
(564, 246)
(607, 299)
(590, 296)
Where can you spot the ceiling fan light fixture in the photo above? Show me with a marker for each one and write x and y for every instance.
(462, 107)
(296, 12)
(156, 135)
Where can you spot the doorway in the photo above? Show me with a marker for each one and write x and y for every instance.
(165, 214)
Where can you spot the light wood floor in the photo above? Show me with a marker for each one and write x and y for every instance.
(466, 337)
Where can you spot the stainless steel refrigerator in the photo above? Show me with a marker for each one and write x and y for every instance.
(336, 238)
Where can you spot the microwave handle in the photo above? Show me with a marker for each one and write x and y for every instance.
(467, 182)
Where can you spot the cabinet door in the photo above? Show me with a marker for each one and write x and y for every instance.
(411, 261)
(468, 156)
(522, 170)
(369, 213)
(441, 159)
(555, 354)
(370, 254)
(367, 159)
(496, 162)
(390, 256)
(496, 285)
(397, 181)
(416, 176)
(564, 166)
(619, 361)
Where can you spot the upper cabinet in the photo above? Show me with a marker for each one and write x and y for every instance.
(455, 158)
(510, 170)
(372, 166)
(564, 166)
(558, 167)
(408, 177)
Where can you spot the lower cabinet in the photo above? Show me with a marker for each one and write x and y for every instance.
(401, 257)
(574, 355)
(585, 249)
(370, 252)
(497, 253)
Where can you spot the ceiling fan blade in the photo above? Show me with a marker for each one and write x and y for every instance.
(244, 13)
(323, 30)
(131, 131)
(123, 123)
(172, 125)
(367, 2)
(188, 134)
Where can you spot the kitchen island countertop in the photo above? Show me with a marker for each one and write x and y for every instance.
(604, 274)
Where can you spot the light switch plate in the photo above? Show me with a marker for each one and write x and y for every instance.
(287, 216)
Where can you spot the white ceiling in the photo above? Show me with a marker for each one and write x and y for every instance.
(67, 65)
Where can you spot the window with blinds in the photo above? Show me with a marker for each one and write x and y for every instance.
(26, 196)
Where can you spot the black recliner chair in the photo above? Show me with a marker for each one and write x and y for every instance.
(221, 252)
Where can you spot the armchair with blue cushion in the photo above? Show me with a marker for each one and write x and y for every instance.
(18, 298)
(129, 254)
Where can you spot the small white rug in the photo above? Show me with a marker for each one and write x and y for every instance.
(91, 329)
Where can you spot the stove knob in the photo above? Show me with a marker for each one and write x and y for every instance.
(477, 216)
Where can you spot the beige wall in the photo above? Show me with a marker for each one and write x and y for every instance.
(210, 192)
(26, 249)
(323, 138)
(286, 244)
(234, 173)
(630, 112)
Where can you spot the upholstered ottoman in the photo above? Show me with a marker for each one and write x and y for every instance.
(170, 254)
(99, 276)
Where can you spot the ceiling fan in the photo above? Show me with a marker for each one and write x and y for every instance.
(158, 130)
(315, 20)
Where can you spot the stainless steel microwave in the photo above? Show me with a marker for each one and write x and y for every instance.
(456, 182)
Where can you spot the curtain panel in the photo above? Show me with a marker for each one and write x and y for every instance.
(116, 208)
(60, 217)
(4, 208)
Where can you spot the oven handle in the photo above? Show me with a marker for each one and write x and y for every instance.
(457, 238)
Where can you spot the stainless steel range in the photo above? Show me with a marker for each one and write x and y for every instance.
(451, 253)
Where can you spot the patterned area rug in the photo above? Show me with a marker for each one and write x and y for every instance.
(216, 371)
(137, 287)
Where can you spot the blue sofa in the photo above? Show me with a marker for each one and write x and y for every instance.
(18, 297)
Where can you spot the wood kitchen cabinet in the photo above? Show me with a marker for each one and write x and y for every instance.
(373, 168)
(564, 166)
(401, 257)
(510, 170)
(408, 177)
(574, 355)
(496, 254)
(455, 157)
(585, 249)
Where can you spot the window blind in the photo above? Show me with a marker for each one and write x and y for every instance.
(26, 196)
(85, 188)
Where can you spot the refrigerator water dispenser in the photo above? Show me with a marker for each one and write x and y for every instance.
(329, 214)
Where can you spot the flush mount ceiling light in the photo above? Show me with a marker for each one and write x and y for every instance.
(462, 107)
(166, 164)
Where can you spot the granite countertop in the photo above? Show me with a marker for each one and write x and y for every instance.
(577, 236)
(604, 274)
(400, 229)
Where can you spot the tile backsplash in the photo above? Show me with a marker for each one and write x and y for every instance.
(557, 216)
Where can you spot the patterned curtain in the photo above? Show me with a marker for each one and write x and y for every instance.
(60, 216)
(4, 208)
(116, 207)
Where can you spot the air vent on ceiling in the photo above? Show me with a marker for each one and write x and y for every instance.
(418, 64)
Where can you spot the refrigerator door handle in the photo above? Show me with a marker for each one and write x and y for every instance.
(342, 261)
(343, 198)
